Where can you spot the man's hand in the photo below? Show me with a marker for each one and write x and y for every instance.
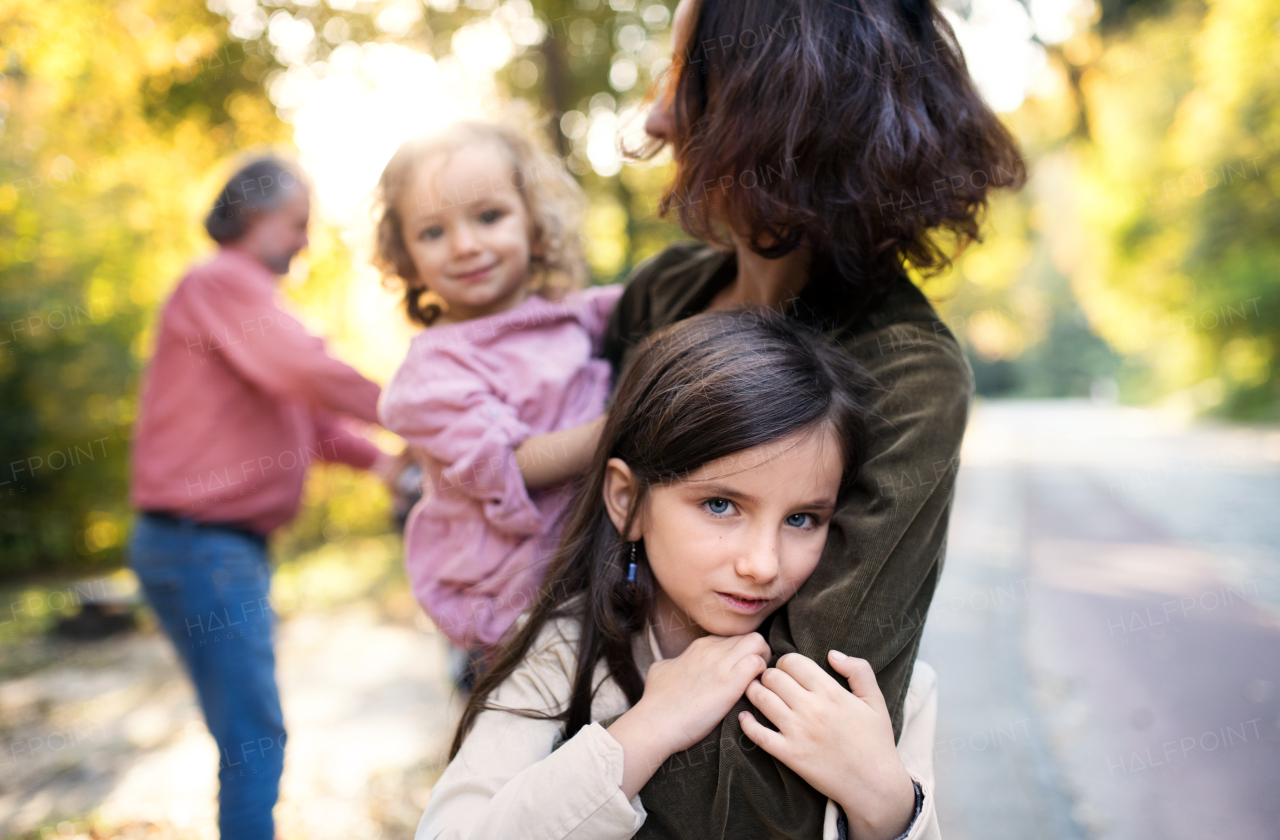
(388, 467)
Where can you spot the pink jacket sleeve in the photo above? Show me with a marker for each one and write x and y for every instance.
(438, 403)
(239, 319)
(593, 306)
(337, 443)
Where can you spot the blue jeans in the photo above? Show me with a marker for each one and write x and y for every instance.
(209, 587)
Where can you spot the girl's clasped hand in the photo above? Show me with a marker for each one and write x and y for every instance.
(840, 741)
(684, 699)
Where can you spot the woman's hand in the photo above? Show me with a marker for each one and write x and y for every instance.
(555, 457)
(840, 743)
(684, 699)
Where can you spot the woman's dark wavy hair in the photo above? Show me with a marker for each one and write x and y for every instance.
(702, 389)
(851, 126)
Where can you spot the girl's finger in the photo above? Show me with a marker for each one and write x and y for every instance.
(752, 643)
(772, 742)
(861, 677)
(785, 686)
(806, 672)
(750, 666)
(770, 705)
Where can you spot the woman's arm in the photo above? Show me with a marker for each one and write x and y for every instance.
(555, 457)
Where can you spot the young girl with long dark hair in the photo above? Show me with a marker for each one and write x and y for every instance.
(731, 440)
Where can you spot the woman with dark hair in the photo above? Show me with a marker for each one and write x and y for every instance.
(825, 152)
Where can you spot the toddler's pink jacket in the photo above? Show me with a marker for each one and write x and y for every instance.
(467, 394)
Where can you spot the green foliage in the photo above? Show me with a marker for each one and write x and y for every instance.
(1179, 193)
(114, 118)
(1150, 228)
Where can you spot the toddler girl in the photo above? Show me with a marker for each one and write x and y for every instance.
(731, 440)
(500, 397)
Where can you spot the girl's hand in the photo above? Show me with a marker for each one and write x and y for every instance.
(684, 699)
(840, 743)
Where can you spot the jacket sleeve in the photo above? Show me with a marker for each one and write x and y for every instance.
(513, 779)
(869, 595)
(243, 325)
(872, 590)
(438, 403)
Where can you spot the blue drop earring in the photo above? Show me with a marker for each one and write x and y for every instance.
(631, 569)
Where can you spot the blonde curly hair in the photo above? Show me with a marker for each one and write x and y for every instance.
(554, 201)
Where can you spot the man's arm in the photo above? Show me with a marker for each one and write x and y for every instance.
(339, 444)
(869, 596)
(244, 326)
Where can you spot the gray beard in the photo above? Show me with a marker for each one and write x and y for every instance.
(280, 264)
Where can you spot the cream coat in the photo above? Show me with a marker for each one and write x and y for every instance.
(515, 777)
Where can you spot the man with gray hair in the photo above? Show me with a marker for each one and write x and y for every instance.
(237, 401)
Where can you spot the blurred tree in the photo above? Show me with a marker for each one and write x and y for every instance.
(1152, 139)
(1179, 193)
(114, 117)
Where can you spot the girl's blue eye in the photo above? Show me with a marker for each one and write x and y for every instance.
(433, 232)
(799, 520)
(490, 216)
(719, 506)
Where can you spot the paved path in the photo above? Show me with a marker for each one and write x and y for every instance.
(113, 734)
(1106, 630)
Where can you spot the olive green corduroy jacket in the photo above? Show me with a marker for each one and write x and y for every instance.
(871, 590)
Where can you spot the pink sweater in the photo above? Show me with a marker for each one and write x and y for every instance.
(238, 400)
(467, 395)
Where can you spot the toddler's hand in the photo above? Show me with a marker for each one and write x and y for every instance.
(840, 743)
